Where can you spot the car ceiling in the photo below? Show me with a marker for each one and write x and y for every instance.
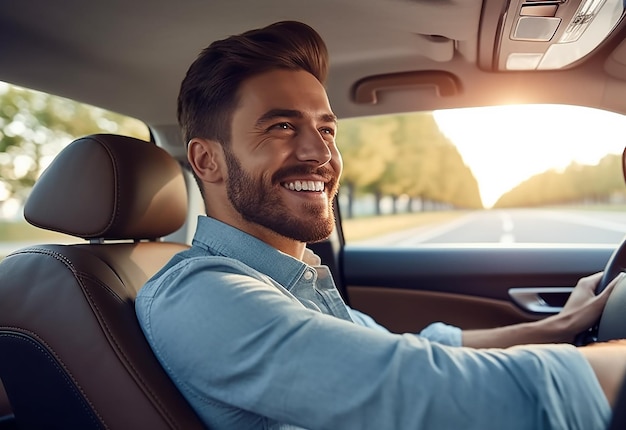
(130, 56)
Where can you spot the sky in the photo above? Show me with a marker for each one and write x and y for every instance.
(506, 145)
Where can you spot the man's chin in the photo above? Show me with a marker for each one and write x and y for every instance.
(306, 233)
(304, 223)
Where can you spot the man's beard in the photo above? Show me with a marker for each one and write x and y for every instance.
(258, 202)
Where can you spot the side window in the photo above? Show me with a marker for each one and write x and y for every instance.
(34, 127)
(506, 176)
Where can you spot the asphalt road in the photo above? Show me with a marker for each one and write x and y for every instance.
(517, 226)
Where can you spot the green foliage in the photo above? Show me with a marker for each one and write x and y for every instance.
(35, 126)
(576, 184)
(408, 155)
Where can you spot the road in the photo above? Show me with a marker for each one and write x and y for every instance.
(517, 226)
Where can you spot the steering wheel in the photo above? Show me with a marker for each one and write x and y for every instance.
(612, 324)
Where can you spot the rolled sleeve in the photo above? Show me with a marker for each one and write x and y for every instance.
(437, 332)
(443, 333)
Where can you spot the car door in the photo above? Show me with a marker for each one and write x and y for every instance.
(467, 286)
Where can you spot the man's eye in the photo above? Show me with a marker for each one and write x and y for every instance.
(327, 130)
(282, 126)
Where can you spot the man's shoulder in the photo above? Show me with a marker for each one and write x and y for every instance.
(204, 284)
(189, 270)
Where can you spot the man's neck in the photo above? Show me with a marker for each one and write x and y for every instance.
(284, 244)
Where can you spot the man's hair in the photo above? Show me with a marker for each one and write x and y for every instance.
(209, 93)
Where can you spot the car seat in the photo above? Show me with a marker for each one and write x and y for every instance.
(72, 354)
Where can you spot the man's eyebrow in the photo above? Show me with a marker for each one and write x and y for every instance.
(290, 113)
(329, 117)
(278, 113)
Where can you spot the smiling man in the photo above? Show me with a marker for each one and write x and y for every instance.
(255, 334)
(279, 192)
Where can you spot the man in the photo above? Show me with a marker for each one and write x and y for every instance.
(254, 337)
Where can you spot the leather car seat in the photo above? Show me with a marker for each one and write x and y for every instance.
(72, 354)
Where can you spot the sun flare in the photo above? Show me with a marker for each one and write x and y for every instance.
(506, 145)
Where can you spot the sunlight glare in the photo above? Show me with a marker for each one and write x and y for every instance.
(505, 145)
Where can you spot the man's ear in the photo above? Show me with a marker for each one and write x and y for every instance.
(206, 158)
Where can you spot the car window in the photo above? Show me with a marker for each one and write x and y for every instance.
(34, 128)
(502, 176)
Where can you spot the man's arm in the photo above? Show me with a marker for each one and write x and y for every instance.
(581, 311)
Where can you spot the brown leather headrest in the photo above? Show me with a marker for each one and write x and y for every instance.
(106, 186)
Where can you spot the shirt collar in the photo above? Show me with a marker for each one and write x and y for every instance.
(222, 239)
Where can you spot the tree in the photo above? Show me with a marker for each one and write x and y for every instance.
(578, 183)
(404, 155)
(368, 145)
(35, 126)
(414, 171)
(428, 167)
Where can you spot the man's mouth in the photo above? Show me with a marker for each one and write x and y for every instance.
(304, 185)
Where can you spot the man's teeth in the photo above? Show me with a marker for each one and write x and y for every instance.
(304, 186)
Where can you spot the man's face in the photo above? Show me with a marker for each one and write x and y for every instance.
(283, 165)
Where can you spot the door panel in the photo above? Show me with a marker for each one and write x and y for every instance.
(406, 289)
(409, 311)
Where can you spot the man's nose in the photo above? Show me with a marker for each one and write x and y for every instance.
(311, 147)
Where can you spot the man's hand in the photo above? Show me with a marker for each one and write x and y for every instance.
(583, 308)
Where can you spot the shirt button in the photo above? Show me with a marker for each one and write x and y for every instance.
(308, 275)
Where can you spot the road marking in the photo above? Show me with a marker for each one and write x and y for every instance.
(507, 228)
(507, 238)
(507, 222)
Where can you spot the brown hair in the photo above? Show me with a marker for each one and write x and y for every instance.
(208, 94)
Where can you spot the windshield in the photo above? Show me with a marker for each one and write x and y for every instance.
(510, 175)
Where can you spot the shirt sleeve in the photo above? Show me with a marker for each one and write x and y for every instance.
(227, 337)
(365, 320)
(436, 332)
(443, 333)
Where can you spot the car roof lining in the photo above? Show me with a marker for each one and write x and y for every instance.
(119, 45)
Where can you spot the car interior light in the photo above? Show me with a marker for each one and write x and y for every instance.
(523, 61)
(563, 32)
(536, 28)
(539, 10)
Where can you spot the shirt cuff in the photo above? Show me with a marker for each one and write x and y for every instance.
(443, 333)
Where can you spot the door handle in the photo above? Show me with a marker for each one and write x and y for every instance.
(541, 300)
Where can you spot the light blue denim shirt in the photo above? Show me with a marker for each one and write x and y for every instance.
(255, 339)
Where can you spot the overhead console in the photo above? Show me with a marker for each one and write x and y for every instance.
(546, 34)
